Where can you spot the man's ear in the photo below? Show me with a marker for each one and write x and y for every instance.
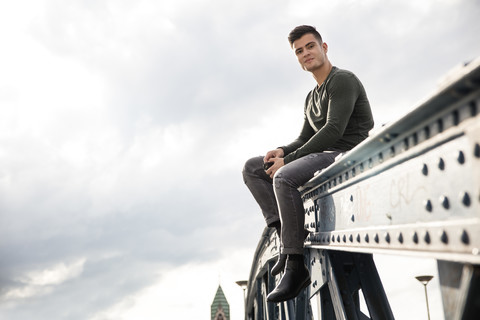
(325, 47)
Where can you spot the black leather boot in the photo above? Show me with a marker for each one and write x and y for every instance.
(280, 265)
(282, 258)
(294, 280)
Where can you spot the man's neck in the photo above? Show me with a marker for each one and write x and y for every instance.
(322, 73)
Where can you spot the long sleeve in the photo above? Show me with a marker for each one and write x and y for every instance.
(337, 117)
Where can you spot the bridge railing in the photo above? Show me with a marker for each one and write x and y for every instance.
(413, 188)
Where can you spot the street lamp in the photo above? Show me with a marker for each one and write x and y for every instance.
(243, 284)
(424, 280)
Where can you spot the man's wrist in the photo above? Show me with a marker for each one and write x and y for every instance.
(287, 159)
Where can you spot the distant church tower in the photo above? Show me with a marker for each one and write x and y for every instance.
(220, 307)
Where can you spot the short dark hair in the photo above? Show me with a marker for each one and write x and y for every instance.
(300, 31)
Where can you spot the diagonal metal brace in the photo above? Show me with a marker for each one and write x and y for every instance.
(352, 272)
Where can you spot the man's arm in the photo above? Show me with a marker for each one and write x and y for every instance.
(277, 156)
(305, 133)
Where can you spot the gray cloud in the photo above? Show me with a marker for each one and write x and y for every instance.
(136, 168)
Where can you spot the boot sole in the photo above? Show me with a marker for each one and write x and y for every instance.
(305, 284)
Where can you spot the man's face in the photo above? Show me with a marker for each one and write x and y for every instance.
(310, 53)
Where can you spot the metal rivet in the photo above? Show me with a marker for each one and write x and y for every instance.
(400, 237)
(445, 202)
(415, 138)
(377, 239)
(333, 238)
(338, 238)
(351, 197)
(461, 157)
(476, 150)
(353, 218)
(350, 238)
(405, 144)
(465, 238)
(415, 237)
(441, 164)
(427, 237)
(428, 205)
(440, 125)
(425, 170)
(387, 237)
(427, 132)
(344, 238)
(466, 199)
(358, 238)
(444, 237)
(367, 239)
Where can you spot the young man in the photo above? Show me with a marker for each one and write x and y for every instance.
(337, 116)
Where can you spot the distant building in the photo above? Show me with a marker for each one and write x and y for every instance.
(220, 307)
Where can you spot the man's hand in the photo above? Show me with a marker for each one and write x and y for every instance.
(275, 157)
(277, 153)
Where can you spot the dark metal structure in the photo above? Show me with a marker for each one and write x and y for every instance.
(413, 188)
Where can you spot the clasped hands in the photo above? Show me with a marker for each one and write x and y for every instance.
(275, 158)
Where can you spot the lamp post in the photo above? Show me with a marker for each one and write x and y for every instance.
(243, 284)
(424, 280)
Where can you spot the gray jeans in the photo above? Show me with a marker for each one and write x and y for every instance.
(284, 203)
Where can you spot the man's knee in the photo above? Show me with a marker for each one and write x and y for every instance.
(282, 179)
(251, 167)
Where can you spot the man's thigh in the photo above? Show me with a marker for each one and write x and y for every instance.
(299, 171)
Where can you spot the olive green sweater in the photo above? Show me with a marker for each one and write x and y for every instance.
(337, 117)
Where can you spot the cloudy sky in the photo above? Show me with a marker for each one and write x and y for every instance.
(124, 126)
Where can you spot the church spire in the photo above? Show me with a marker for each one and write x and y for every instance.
(220, 307)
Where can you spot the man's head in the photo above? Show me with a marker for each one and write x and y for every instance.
(310, 50)
(300, 31)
